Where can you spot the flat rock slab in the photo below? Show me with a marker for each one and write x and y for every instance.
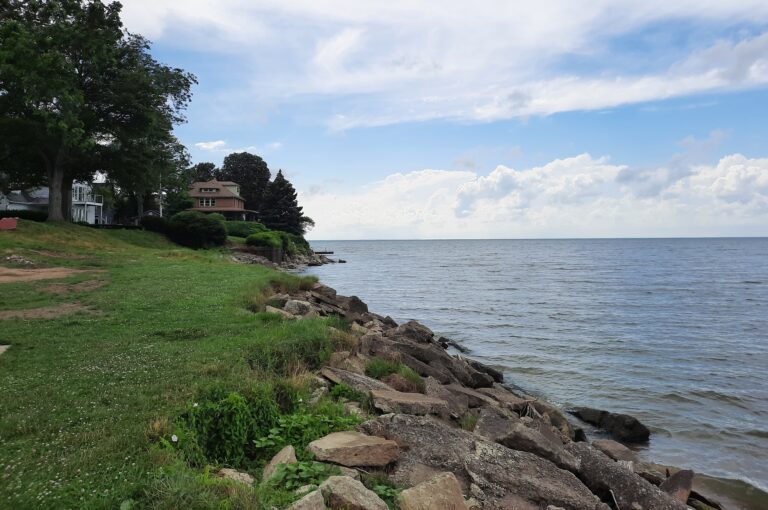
(442, 492)
(278, 311)
(357, 381)
(505, 396)
(614, 450)
(474, 398)
(391, 401)
(285, 456)
(354, 449)
(342, 492)
(679, 485)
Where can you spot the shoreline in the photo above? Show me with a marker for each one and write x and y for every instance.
(726, 493)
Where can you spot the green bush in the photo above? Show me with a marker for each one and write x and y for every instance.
(217, 216)
(244, 228)
(269, 239)
(379, 368)
(154, 224)
(347, 392)
(25, 215)
(196, 230)
(296, 475)
(302, 344)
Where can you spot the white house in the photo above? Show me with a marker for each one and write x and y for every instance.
(86, 207)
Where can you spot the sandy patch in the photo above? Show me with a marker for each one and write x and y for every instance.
(66, 288)
(13, 275)
(3, 348)
(49, 312)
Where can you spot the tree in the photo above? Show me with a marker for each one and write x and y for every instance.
(88, 94)
(251, 173)
(202, 172)
(281, 210)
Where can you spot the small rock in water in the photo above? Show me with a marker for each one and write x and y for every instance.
(621, 426)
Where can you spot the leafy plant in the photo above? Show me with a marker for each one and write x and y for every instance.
(293, 476)
(196, 230)
(468, 421)
(384, 488)
(348, 392)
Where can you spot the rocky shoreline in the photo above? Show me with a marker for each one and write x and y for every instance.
(467, 435)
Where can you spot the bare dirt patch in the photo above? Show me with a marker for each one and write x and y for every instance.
(59, 255)
(48, 312)
(66, 288)
(3, 348)
(14, 275)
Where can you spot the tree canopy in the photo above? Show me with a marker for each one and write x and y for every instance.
(251, 173)
(88, 96)
(281, 210)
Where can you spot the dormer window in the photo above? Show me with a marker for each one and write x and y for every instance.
(209, 190)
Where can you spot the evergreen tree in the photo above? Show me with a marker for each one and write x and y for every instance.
(281, 210)
(251, 173)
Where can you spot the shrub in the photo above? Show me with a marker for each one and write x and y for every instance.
(244, 228)
(296, 475)
(217, 216)
(270, 239)
(379, 368)
(154, 224)
(196, 230)
(348, 392)
(25, 215)
(302, 344)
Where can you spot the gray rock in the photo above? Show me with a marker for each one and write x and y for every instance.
(391, 401)
(621, 426)
(442, 492)
(285, 456)
(608, 479)
(342, 492)
(679, 485)
(490, 472)
(296, 307)
(236, 476)
(614, 450)
(520, 437)
(358, 381)
(312, 501)
(354, 449)
(506, 397)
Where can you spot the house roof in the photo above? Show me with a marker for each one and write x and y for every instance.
(222, 191)
(220, 209)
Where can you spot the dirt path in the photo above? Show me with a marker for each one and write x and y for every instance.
(13, 275)
(48, 312)
(66, 288)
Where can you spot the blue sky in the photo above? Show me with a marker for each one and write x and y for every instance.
(443, 119)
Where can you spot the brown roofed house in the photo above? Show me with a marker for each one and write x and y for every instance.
(221, 197)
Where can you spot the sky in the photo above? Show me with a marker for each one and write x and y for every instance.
(406, 119)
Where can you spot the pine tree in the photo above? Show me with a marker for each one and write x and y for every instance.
(281, 210)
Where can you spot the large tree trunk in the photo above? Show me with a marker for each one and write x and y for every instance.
(55, 189)
(66, 198)
(140, 204)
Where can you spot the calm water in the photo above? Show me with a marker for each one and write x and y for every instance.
(672, 331)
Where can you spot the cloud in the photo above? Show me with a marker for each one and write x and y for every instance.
(580, 196)
(216, 145)
(403, 60)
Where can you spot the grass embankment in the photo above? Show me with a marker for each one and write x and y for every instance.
(167, 346)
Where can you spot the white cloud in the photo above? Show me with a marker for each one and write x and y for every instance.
(211, 146)
(405, 60)
(581, 196)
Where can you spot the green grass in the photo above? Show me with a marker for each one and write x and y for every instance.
(83, 396)
(379, 368)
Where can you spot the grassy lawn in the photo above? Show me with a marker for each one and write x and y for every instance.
(81, 393)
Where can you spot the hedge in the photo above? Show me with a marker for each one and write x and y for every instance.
(196, 230)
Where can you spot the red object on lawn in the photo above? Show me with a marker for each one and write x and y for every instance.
(8, 223)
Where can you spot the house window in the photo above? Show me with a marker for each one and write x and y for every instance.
(207, 202)
(209, 190)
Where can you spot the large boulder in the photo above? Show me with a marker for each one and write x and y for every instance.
(679, 485)
(354, 449)
(297, 307)
(412, 331)
(285, 456)
(442, 492)
(609, 479)
(494, 474)
(474, 398)
(342, 492)
(236, 476)
(621, 426)
(526, 439)
(312, 501)
(506, 397)
(391, 401)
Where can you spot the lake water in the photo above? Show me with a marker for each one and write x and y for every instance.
(672, 331)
